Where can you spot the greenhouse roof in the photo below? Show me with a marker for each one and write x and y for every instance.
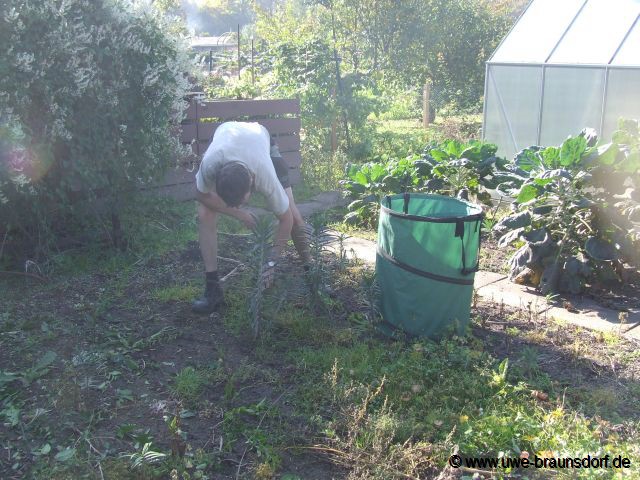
(573, 32)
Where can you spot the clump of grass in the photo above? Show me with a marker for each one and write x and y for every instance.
(189, 384)
(176, 293)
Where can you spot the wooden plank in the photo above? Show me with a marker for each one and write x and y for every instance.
(278, 126)
(288, 143)
(273, 125)
(295, 177)
(192, 111)
(188, 133)
(230, 109)
(293, 159)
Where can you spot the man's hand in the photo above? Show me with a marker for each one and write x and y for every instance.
(268, 275)
(247, 219)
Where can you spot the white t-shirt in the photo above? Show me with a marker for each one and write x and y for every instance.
(247, 143)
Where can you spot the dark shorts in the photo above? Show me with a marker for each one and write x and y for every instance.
(282, 169)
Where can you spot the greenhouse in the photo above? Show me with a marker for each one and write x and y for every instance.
(563, 66)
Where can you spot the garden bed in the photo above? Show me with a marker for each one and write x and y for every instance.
(319, 395)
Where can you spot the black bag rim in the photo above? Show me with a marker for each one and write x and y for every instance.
(422, 218)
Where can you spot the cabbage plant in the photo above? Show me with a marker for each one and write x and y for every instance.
(576, 211)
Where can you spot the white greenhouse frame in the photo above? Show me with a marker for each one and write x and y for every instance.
(548, 80)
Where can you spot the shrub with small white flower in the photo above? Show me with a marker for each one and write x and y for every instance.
(91, 94)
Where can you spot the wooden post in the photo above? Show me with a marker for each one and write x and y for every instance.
(425, 105)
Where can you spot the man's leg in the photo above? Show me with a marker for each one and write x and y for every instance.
(208, 237)
(298, 231)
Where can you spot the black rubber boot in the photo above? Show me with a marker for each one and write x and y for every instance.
(213, 299)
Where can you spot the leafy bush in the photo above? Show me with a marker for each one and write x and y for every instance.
(90, 97)
(449, 168)
(577, 210)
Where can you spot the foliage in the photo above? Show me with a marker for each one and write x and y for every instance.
(448, 168)
(90, 94)
(456, 166)
(318, 273)
(416, 41)
(260, 249)
(576, 210)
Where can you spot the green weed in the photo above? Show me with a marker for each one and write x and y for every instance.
(189, 384)
(176, 293)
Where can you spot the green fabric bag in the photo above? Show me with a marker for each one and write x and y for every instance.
(427, 255)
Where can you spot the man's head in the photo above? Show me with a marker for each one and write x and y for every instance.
(234, 182)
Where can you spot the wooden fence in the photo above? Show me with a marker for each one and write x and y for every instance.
(280, 117)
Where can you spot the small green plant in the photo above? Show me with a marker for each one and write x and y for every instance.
(318, 273)
(188, 384)
(178, 436)
(146, 456)
(260, 250)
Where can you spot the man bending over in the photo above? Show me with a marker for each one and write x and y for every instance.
(241, 159)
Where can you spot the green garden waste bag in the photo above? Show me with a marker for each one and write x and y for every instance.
(427, 255)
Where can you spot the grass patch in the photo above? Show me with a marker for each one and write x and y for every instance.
(177, 293)
(189, 384)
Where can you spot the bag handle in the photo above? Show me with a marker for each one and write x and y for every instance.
(460, 233)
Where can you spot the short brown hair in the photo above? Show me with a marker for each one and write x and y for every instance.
(233, 182)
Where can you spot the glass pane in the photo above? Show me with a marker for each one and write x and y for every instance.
(623, 99)
(629, 53)
(597, 32)
(512, 107)
(538, 31)
(572, 101)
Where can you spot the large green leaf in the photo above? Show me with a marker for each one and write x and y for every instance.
(631, 163)
(528, 159)
(508, 189)
(600, 249)
(498, 178)
(527, 193)
(510, 237)
(512, 222)
(572, 150)
(488, 150)
(550, 157)
(472, 153)
(423, 168)
(378, 172)
(361, 178)
(391, 184)
(607, 154)
(439, 155)
(454, 148)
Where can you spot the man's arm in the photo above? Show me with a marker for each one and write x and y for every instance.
(213, 201)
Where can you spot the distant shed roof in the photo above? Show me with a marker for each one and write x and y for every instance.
(225, 40)
(589, 32)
